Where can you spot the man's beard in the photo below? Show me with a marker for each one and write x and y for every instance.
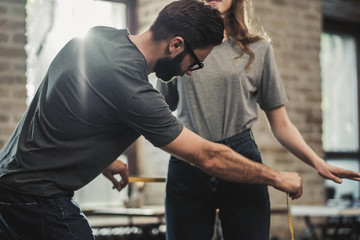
(166, 68)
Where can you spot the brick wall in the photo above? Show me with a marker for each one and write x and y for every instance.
(12, 66)
(295, 28)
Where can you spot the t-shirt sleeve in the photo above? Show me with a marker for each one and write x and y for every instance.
(271, 90)
(148, 113)
(170, 92)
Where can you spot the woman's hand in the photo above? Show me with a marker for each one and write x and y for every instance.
(336, 174)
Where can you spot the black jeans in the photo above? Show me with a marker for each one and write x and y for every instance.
(192, 198)
(27, 217)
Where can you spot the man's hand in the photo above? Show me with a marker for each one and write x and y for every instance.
(289, 182)
(117, 167)
(336, 174)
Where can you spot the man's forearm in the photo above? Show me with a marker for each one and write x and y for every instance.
(221, 161)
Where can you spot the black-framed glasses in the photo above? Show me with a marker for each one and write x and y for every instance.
(197, 64)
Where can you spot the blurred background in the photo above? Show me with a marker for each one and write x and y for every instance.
(317, 48)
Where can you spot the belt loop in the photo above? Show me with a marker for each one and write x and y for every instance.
(251, 134)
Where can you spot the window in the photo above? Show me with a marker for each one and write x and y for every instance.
(340, 100)
(50, 25)
(339, 93)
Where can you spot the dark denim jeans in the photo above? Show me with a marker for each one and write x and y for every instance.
(27, 217)
(192, 198)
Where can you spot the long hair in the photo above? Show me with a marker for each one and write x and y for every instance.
(238, 20)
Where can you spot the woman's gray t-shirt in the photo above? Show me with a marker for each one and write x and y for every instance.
(221, 99)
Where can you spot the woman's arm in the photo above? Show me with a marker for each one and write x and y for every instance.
(289, 136)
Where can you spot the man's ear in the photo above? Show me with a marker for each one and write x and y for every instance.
(176, 45)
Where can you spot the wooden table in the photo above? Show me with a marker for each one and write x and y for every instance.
(129, 223)
(335, 216)
(115, 216)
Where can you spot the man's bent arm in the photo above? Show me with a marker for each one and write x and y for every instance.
(221, 161)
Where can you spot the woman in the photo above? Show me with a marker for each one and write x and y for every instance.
(219, 103)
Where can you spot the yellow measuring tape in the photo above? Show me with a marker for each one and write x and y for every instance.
(146, 179)
(289, 217)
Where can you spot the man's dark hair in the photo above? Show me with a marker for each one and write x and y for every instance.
(198, 23)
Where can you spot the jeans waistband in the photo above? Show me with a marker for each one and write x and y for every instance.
(5, 190)
(238, 137)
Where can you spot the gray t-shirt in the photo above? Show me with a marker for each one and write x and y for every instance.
(94, 101)
(221, 99)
